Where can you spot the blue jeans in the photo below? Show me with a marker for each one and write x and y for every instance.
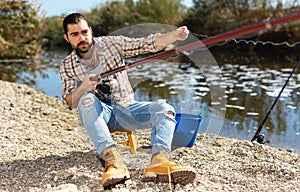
(98, 118)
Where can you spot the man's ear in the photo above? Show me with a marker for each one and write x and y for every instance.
(91, 29)
(66, 38)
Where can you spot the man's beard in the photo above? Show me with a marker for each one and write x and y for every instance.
(83, 49)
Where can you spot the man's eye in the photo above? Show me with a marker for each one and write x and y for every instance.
(74, 34)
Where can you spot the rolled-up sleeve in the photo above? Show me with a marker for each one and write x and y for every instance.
(69, 83)
(135, 46)
(68, 86)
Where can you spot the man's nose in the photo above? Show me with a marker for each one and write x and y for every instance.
(81, 37)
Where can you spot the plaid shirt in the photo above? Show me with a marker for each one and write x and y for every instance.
(114, 49)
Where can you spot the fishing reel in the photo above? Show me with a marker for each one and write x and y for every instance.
(260, 139)
(103, 91)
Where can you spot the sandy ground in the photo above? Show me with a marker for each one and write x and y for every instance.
(44, 148)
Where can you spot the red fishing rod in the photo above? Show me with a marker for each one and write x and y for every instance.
(209, 41)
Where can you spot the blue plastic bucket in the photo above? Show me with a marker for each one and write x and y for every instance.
(186, 130)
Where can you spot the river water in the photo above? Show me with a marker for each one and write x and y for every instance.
(239, 95)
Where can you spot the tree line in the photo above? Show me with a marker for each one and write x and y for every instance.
(20, 30)
(23, 34)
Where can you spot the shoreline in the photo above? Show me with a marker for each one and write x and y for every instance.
(44, 148)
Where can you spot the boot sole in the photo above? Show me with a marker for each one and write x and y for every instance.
(114, 180)
(182, 177)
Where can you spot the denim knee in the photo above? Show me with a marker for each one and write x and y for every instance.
(86, 99)
(165, 108)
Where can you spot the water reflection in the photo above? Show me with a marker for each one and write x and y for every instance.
(42, 73)
(12, 71)
(256, 90)
(250, 90)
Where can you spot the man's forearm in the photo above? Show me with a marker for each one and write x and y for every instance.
(163, 40)
(73, 98)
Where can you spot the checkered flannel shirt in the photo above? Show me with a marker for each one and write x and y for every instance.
(114, 50)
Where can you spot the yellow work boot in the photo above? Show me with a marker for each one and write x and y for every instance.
(115, 170)
(163, 170)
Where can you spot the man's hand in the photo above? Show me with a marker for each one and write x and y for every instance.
(163, 40)
(181, 33)
(89, 82)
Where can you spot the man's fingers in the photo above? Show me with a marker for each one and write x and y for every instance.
(183, 32)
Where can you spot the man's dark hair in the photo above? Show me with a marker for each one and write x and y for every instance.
(72, 18)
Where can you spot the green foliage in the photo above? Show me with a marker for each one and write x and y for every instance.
(22, 33)
(208, 17)
(211, 17)
(117, 14)
(19, 30)
(160, 11)
(53, 32)
(112, 16)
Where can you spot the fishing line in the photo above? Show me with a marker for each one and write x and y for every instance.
(237, 41)
(253, 42)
